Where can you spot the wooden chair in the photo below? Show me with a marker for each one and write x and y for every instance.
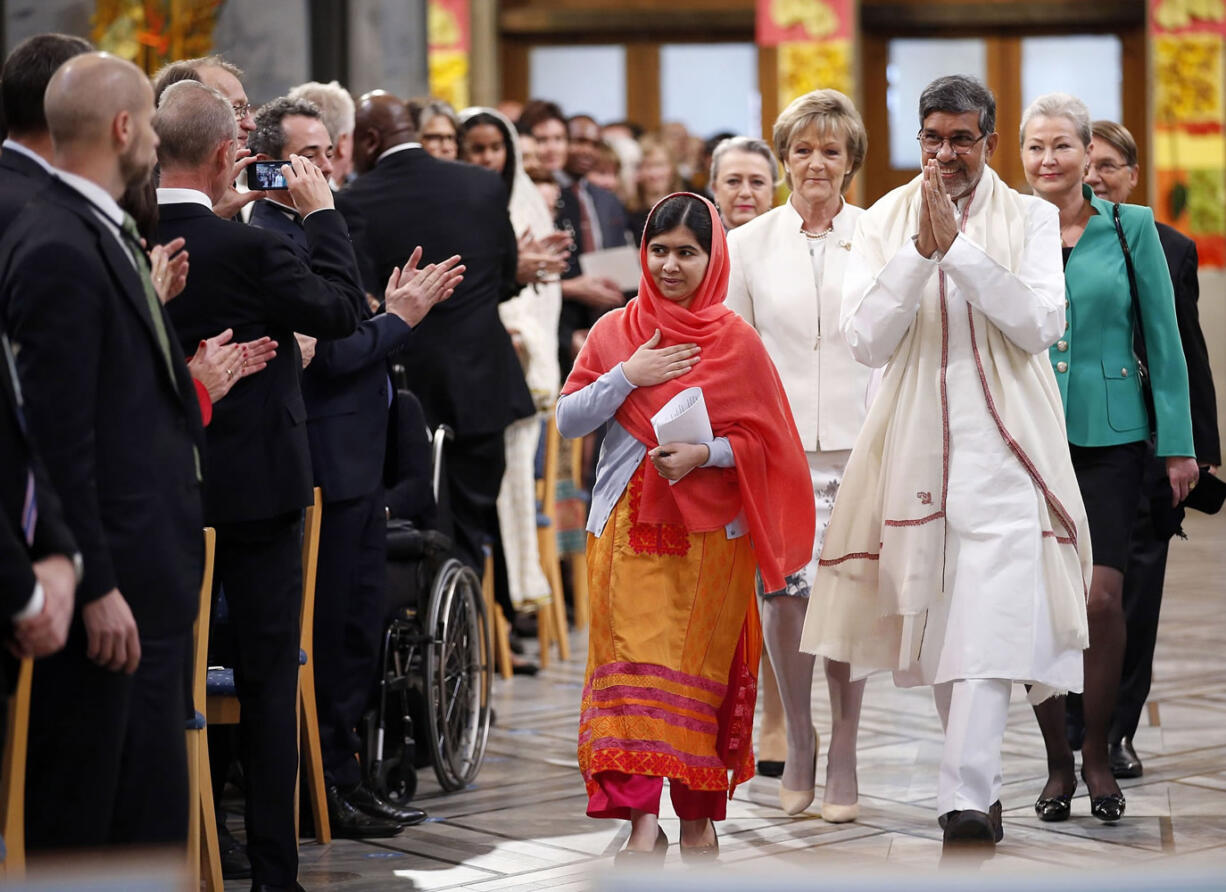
(202, 821)
(222, 707)
(499, 627)
(13, 775)
(573, 544)
(554, 624)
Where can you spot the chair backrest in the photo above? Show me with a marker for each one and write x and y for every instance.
(200, 656)
(13, 773)
(310, 558)
(547, 485)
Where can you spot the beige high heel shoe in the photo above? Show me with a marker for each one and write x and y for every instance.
(833, 813)
(793, 802)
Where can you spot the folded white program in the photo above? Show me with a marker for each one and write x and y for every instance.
(683, 419)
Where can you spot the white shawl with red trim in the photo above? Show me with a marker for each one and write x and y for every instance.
(882, 560)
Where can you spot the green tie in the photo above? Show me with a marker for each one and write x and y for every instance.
(155, 308)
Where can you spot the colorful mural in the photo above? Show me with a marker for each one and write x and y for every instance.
(449, 42)
(1187, 39)
(815, 41)
(154, 32)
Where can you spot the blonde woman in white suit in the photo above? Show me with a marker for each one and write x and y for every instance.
(787, 281)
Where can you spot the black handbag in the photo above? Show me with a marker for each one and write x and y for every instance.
(1138, 333)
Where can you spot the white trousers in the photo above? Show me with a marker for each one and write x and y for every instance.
(974, 712)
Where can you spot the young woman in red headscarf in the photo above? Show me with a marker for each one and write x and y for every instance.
(677, 531)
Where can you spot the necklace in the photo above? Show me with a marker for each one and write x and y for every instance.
(816, 235)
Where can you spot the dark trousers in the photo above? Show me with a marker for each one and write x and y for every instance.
(107, 762)
(1142, 602)
(349, 610)
(259, 566)
(474, 469)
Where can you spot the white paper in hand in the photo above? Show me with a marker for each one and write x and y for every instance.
(683, 419)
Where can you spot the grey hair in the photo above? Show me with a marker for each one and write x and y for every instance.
(335, 105)
(268, 137)
(191, 120)
(1059, 105)
(958, 94)
(749, 145)
(432, 108)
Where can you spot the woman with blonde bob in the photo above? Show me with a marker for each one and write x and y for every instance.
(787, 282)
(678, 531)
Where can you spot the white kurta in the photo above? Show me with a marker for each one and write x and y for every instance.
(993, 619)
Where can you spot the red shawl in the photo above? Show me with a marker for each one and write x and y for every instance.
(746, 404)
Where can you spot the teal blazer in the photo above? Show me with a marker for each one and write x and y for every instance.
(1094, 362)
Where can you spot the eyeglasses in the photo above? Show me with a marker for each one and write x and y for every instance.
(959, 143)
(1109, 168)
(241, 111)
(439, 137)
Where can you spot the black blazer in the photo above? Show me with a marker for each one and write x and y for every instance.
(259, 465)
(119, 437)
(346, 385)
(463, 367)
(20, 180)
(1181, 260)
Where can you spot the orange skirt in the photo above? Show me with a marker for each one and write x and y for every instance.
(674, 645)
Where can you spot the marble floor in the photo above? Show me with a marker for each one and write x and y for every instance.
(522, 825)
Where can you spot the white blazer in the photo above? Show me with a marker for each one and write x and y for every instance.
(771, 285)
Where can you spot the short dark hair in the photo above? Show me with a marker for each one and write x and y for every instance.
(269, 134)
(680, 210)
(27, 71)
(537, 111)
(957, 94)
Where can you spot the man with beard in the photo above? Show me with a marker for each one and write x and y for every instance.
(110, 401)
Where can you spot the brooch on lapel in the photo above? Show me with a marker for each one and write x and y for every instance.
(846, 246)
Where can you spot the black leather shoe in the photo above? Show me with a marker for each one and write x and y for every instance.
(235, 865)
(264, 887)
(1124, 760)
(998, 826)
(770, 768)
(969, 827)
(365, 800)
(1109, 808)
(350, 823)
(1055, 808)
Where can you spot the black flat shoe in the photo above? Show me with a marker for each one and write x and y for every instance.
(969, 827)
(1108, 808)
(1055, 808)
(637, 858)
(770, 768)
(703, 853)
(1124, 760)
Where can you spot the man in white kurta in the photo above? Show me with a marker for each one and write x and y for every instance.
(956, 556)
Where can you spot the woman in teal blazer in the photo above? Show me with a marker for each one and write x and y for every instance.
(1107, 418)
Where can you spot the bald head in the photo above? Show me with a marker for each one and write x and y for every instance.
(88, 93)
(380, 122)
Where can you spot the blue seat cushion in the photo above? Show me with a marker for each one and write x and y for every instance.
(220, 683)
(302, 657)
(196, 723)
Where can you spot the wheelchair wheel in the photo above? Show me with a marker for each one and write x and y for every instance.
(458, 674)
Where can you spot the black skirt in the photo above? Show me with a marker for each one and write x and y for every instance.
(1110, 481)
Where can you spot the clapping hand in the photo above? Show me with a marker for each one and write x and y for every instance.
(411, 292)
(649, 365)
(219, 365)
(169, 269)
(542, 258)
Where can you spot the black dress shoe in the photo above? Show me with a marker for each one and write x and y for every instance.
(1109, 808)
(235, 865)
(1124, 759)
(998, 826)
(350, 823)
(264, 887)
(365, 800)
(969, 827)
(1056, 808)
(770, 768)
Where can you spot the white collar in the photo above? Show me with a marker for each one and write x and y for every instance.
(97, 196)
(394, 149)
(174, 195)
(11, 146)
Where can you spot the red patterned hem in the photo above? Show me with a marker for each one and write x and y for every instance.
(653, 538)
(653, 765)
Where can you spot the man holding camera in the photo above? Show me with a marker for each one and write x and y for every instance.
(258, 470)
(347, 393)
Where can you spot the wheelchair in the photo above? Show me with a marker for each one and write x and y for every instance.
(431, 700)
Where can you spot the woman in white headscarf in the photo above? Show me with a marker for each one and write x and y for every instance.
(489, 141)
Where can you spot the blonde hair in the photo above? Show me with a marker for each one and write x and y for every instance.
(649, 144)
(1058, 105)
(830, 112)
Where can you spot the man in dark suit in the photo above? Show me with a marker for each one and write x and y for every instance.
(115, 414)
(1113, 175)
(462, 366)
(347, 392)
(25, 163)
(258, 472)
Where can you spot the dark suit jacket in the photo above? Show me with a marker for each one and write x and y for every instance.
(117, 434)
(1181, 260)
(462, 366)
(20, 180)
(242, 277)
(346, 385)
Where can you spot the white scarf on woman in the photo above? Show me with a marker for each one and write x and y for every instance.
(882, 562)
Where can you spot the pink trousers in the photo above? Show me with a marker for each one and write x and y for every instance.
(619, 793)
